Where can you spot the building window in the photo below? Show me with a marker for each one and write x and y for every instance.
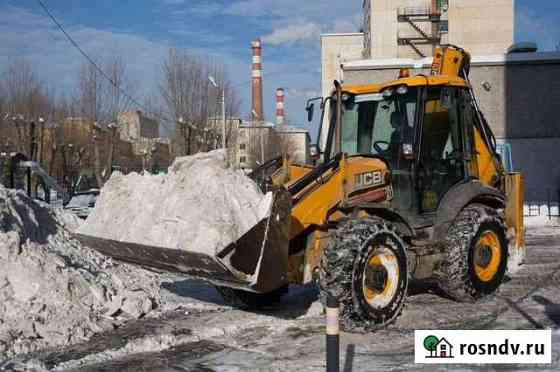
(443, 5)
(242, 146)
(444, 26)
(242, 159)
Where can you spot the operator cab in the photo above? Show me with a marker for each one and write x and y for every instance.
(422, 127)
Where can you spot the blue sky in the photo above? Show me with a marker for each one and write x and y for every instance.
(143, 30)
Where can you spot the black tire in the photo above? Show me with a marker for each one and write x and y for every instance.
(354, 245)
(460, 280)
(250, 300)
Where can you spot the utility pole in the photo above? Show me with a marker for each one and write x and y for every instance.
(215, 84)
(32, 154)
(41, 140)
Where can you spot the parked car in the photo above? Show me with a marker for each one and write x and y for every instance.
(82, 203)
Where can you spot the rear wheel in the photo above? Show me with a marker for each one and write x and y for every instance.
(365, 268)
(251, 300)
(476, 259)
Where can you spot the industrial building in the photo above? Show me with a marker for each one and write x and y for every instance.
(518, 92)
(411, 28)
(395, 29)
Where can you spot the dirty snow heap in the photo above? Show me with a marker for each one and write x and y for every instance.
(53, 291)
(200, 205)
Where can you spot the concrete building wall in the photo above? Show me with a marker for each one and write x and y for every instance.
(295, 143)
(134, 125)
(537, 159)
(255, 145)
(335, 50)
(482, 27)
(522, 96)
(383, 28)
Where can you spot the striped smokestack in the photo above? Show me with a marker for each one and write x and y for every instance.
(280, 106)
(257, 81)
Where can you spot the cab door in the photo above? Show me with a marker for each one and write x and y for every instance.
(441, 163)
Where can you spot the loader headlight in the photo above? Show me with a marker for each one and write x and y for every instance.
(388, 92)
(402, 89)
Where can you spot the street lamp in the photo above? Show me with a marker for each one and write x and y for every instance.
(213, 82)
(41, 136)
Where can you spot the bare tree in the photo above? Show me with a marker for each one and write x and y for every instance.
(24, 100)
(193, 102)
(101, 99)
(100, 95)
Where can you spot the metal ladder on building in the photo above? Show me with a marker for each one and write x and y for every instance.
(419, 14)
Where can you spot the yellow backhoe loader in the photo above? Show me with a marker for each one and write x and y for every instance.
(409, 187)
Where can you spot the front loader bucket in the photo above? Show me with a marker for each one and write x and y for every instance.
(257, 262)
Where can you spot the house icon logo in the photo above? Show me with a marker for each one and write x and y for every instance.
(438, 347)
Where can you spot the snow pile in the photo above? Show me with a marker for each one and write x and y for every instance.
(53, 291)
(201, 205)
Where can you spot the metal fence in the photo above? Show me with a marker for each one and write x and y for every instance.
(542, 203)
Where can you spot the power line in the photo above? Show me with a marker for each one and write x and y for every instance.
(93, 63)
(108, 78)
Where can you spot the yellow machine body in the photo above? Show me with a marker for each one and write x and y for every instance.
(333, 196)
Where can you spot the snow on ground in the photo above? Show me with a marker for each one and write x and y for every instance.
(53, 291)
(200, 205)
(195, 330)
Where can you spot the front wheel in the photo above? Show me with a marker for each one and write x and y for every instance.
(365, 267)
(476, 256)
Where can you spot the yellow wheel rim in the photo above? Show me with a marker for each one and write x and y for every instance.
(380, 278)
(487, 256)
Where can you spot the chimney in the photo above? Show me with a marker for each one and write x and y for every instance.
(257, 81)
(280, 106)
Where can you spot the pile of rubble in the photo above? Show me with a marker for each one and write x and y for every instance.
(53, 291)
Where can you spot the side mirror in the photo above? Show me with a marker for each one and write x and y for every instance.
(310, 108)
(314, 152)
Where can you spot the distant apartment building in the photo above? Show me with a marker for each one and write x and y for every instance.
(294, 142)
(142, 134)
(134, 125)
(255, 144)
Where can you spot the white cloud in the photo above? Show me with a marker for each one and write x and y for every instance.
(302, 93)
(33, 36)
(205, 9)
(348, 24)
(173, 2)
(289, 9)
(293, 33)
(29, 35)
(249, 8)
